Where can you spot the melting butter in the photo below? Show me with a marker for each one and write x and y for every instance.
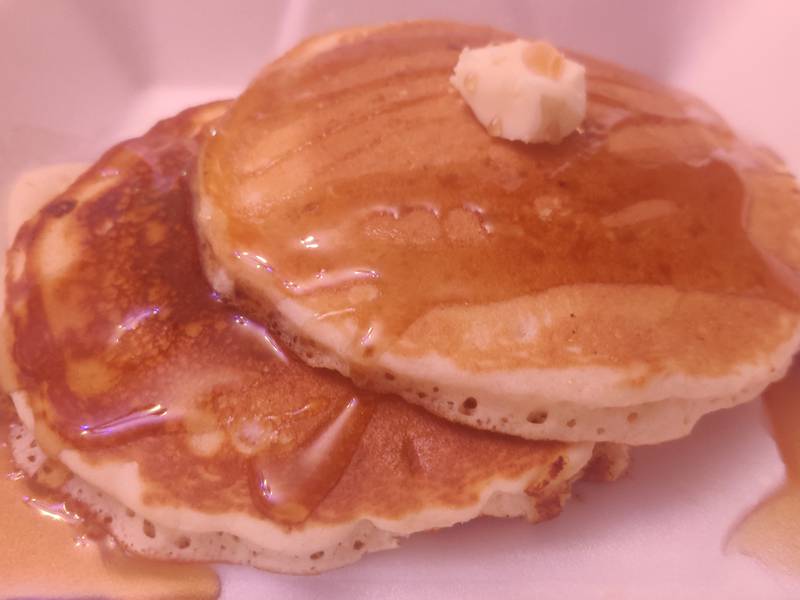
(520, 90)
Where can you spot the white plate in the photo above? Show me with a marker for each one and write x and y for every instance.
(76, 77)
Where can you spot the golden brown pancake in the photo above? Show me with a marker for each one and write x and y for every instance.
(192, 433)
(615, 286)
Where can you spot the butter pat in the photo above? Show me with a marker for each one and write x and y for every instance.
(526, 91)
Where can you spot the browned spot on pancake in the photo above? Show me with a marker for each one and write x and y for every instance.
(61, 207)
(183, 542)
(536, 488)
(468, 406)
(557, 467)
(549, 507)
(411, 456)
(148, 529)
(537, 417)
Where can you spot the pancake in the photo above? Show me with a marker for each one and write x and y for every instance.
(188, 431)
(614, 287)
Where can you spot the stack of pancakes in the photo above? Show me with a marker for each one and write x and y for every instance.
(292, 328)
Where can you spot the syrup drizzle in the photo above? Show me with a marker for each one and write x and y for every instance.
(145, 309)
(132, 321)
(261, 333)
(290, 486)
(56, 511)
(277, 489)
(135, 423)
(771, 532)
(52, 548)
(434, 213)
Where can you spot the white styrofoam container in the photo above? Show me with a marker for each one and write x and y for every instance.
(78, 76)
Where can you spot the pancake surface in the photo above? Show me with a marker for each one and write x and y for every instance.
(188, 429)
(616, 286)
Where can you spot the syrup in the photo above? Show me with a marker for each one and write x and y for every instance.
(771, 532)
(135, 354)
(289, 486)
(408, 195)
(51, 550)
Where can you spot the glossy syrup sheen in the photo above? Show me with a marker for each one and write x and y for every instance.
(771, 532)
(360, 184)
(290, 485)
(131, 342)
(51, 548)
(128, 355)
